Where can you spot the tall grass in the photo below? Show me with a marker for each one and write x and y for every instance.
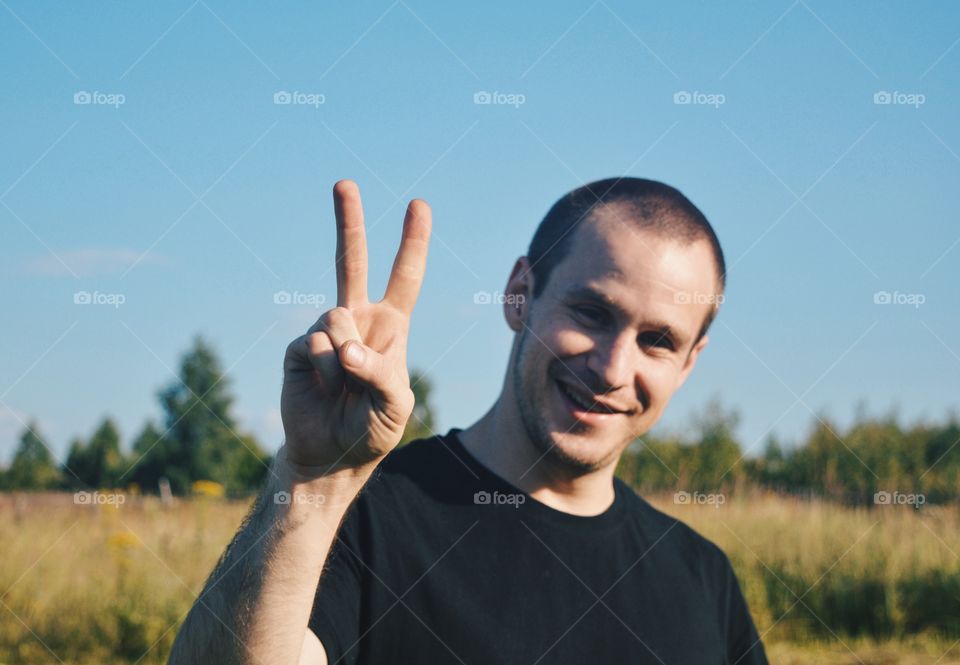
(826, 584)
(104, 584)
(839, 579)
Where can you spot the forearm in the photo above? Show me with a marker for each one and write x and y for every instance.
(256, 604)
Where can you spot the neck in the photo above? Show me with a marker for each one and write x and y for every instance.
(500, 442)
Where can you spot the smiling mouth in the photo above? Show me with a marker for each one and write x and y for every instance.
(588, 405)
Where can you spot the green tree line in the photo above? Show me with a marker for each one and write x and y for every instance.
(198, 438)
(850, 465)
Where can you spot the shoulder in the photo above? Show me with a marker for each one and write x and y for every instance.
(408, 457)
(427, 466)
(697, 552)
(416, 461)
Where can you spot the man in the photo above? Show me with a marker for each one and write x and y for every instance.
(510, 541)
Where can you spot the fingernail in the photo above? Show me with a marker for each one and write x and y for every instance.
(354, 353)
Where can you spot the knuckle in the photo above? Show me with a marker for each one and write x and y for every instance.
(295, 346)
(337, 316)
(318, 342)
(400, 405)
(407, 269)
(407, 402)
(354, 265)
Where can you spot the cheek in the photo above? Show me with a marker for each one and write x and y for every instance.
(660, 378)
(567, 341)
(549, 337)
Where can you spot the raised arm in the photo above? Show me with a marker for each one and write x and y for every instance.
(345, 402)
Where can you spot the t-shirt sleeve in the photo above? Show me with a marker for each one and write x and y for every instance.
(335, 618)
(744, 646)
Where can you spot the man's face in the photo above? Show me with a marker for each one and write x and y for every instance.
(613, 331)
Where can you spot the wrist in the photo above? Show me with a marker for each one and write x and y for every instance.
(331, 484)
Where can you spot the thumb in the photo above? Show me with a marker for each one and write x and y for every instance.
(368, 368)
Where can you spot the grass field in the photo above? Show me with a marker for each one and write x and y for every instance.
(826, 584)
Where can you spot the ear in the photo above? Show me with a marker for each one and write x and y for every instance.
(691, 360)
(519, 291)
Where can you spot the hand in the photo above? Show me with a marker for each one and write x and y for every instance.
(346, 392)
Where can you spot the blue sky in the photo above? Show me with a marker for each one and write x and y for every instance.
(145, 159)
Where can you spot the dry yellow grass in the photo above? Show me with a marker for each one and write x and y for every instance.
(832, 584)
(104, 584)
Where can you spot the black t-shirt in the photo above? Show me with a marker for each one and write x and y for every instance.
(442, 561)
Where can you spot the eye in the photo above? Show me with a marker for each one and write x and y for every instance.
(593, 316)
(656, 339)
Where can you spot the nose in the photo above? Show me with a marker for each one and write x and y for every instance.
(611, 361)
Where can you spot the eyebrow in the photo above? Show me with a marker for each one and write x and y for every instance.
(599, 297)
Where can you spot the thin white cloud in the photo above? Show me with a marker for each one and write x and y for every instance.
(89, 261)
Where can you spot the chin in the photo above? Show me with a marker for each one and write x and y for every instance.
(582, 452)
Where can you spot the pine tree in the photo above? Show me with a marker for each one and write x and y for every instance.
(201, 440)
(97, 463)
(33, 466)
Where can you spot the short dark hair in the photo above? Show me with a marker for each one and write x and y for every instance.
(651, 205)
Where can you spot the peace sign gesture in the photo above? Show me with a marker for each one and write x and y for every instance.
(346, 392)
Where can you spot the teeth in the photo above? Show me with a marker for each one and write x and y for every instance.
(579, 402)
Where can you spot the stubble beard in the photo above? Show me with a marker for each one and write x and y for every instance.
(533, 416)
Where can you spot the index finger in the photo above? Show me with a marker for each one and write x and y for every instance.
(351, 245)
(411, 262)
